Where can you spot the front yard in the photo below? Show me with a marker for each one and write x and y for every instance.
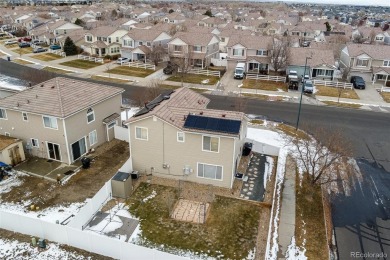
(22, 62)
(114, 80)
(385, 96)
(195, 79)
(230, 231)
(264, 85)
(335, 92)
(22, 51)
(84, 184)
(56, 70)
(47, 57)
(131, 71)
(81, 64)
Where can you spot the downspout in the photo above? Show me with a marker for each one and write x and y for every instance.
(66, 141)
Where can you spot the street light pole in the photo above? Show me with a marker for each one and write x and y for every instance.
(300, 101)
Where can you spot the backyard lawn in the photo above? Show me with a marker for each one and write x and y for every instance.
(230, 230)
(47, 57)
(334, 92)
(131, 71)
(195, 79)
(264, 85)
(81, 64)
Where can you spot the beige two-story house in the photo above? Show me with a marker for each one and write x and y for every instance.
(62, 119)
(175, 136)
(197, 48)
(104, 40)
(371, 62)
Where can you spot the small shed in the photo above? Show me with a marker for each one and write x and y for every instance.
(121, 185)
(11, 150)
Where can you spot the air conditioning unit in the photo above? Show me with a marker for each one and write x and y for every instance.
(166, 166)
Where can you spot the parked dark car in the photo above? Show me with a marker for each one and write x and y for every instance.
(358, 82)
(24, 44)
(38, 50)
(55, 47)
(24, 39)
(170, 68)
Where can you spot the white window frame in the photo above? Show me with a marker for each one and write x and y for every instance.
(213, 165)
(36, 141)
(361, 60)
(180, 140)
(196, 48)
(92, 139)
(25, 116)
(238, 50)
(50, 118)
(90, 111)
(140, 138)
(324, 72)
(3, 114)
(88, 38)
(219, 142)
(261, 52)
(148, 44)
(386, 63)
(178, 48)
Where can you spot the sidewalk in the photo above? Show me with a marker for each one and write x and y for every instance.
(286, 228)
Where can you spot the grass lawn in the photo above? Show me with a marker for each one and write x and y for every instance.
(22, 62)
(22, 51)
(263, 97)
(81, 64)
(385, 96)
(334, 92)
(230, 231)
(55, 70)
(264, 85)
(114, 80)
(341, 104)
(165, 86)
(290, 130)
(309, 219)
(47, 57)
(194, 78)
(131, 71)
(10, 46)
(257, 122)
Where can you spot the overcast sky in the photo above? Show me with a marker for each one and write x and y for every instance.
(350, 2)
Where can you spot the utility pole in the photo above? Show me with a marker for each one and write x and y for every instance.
(300, 101)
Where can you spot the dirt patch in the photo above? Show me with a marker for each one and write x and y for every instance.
(264, 85)
(385, 96)
(109, 157)
(9, 235)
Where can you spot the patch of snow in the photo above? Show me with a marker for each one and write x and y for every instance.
(151, 196)
(6, 185)
(13, 249)
(294, 252)
(109, 224)
(251, 254)
(67, 178)
(268, 170)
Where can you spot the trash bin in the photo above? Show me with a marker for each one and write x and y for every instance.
(247, 149)
(8, 58)
(86, 162)
(42, 243)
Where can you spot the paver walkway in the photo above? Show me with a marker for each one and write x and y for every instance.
(253, 188)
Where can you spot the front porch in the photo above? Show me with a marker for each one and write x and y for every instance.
(381, 76)
(257, 65)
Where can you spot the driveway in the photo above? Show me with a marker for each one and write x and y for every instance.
(228, 82)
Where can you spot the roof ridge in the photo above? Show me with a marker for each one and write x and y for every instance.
(60, 98)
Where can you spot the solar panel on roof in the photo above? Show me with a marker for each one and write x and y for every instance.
(212, 124)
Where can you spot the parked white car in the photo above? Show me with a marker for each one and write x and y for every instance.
(122, 60)
(9, 42)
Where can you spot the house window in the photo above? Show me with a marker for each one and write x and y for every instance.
(295, 33)
(261, 53)
(325, 73)
(222, 39)
(209, 171)
(25, 117)
(180, 137)
(64, 31)
(379, 38)
(99, 38)
(238, 52)
(117, 39)
(178, 48)
(380, 77)
(50, 122)
(141, 133)
(109, 39)
(211, 144)
(128, 43)
(3, 114)
(89, 38)
(34, 142)
(92, 138)
(198, 48)
(362, 63)
(148, 44)
(386, 63)
(140, 43)
(104, 39)
(90, 115)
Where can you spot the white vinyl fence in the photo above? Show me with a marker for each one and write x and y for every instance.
(266, 77)
(89, 58)
(219, 62)
(73, 235)
(136, 64)
(204, 72)
(333, 84)
(121, 133)
(385, 89)
(58, 52)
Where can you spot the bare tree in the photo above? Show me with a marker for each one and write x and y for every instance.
(372, 36)
(318, 158)
(157, 54)
(337, 42)
(149, 93)
(358, 38)
(279, 53)
(183, 62)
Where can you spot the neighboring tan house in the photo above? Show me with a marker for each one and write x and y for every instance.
(198, 48)
(253, 50)
(321, 66)
(62, 119)
(371, 62)
(175, 136)
(138, 43)
(11, 150)
(104, 40)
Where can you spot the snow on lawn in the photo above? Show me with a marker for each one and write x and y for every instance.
(12, 249)
(268, 170)
(151, 196)
(294, 252)
(6, 185)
